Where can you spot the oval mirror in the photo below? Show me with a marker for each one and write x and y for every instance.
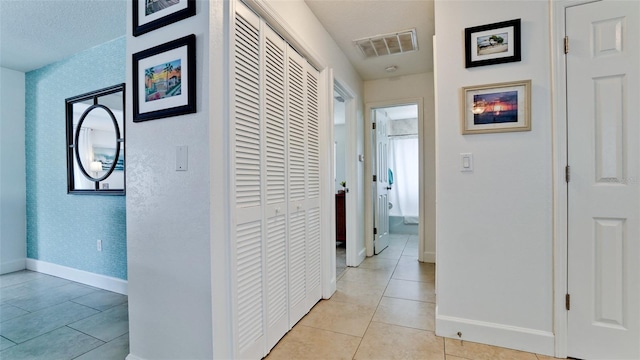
(98, 125)
(95, 139)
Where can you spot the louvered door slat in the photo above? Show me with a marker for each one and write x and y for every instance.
(296, 126)
(249, 283)
(247, 175)
(313, 135)
(247, 111)
(275, 121)
(297, 258)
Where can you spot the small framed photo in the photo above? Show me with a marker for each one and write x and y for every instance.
(149, 15)
(164, 80)
(492, 44)
(494, 108)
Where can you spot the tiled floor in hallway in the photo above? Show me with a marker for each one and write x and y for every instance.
(383, 309)
(45, 317)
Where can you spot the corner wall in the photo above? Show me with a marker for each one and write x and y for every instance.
(169, 233)
(13, 213)
(495, 225)
(63, 229)
(411, 87)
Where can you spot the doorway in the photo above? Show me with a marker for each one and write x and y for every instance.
(340, 179)
(396, 189)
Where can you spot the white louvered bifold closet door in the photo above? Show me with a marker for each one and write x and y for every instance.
(247, 177)
(297, 176)
(314, 285)
(276, 189)
(275, 204)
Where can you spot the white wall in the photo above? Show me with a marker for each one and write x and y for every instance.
(412, 87)
(168, 213)
(13, 213)
(494, 234)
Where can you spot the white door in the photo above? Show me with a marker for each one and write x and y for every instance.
(381, 217)
(604, 188)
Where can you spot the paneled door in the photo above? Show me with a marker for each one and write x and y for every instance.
(604, 183)
(381, 185)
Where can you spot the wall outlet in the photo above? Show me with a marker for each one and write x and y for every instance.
(99, 245)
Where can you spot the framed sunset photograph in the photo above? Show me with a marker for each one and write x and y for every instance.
(164, 80)
(492, 108)
(149, 15)
(492, 44)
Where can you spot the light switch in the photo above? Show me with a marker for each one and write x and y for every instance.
(181, 158)
(466, 162)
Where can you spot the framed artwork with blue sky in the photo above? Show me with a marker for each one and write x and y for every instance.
(164, 80)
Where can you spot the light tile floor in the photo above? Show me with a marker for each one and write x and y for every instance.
(383, 309)
(46, 317)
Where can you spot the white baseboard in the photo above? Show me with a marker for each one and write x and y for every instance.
(362, 254)
(133, 357)
(84, 277)
(429, 257)
(512, 337)
(13, 265)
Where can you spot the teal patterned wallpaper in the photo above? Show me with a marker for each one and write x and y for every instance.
(61, 228)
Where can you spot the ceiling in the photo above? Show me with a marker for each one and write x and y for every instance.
(349, 20)
(35, 33)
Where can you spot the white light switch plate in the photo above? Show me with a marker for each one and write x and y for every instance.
(182, 158)
(466, 162)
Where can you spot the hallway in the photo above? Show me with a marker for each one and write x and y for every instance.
(383, 309)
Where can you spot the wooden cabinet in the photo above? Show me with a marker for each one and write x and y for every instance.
(341, 223)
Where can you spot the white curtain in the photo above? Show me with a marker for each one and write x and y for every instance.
(86, 151)
(403, 161)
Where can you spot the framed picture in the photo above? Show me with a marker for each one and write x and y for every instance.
(164, 80)
(149, 15)
(496, 108)
(492, 44)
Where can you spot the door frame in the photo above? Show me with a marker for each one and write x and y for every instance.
(560, 193)
(369, 167)
(354, 254)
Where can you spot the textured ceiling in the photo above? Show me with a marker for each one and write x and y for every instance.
(348, 20)
(34, 33)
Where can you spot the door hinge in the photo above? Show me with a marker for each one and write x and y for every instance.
(375, 231)
(567, 173)
(566, 44)
(567, 301)
(373, 126)
(375, 178)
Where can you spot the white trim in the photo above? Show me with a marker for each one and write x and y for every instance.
(368, 195)
(84, 277)
(512, 337)
(429, 256)
(327, 186)
(221, 57)
(13, 265)
(133, 357)
(362, 254)
(354, 257)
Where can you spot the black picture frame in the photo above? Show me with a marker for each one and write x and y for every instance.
(162, 17)
(485, 44)
(173, 95)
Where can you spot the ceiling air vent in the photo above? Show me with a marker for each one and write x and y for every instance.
(388, 44)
